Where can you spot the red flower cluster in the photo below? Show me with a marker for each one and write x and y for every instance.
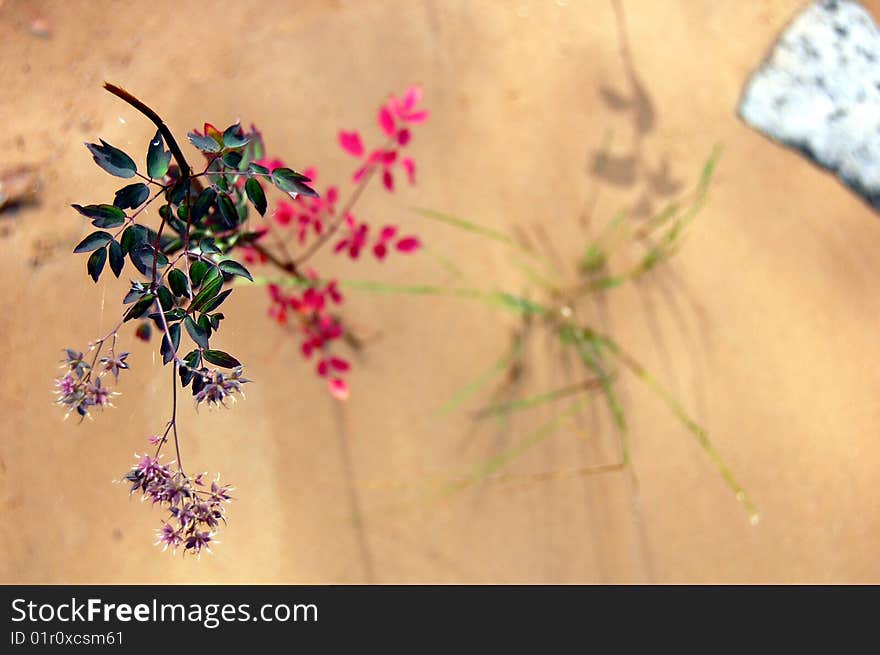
(395, 117)
(316, 218)
(318, 327)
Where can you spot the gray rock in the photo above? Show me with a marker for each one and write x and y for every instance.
(819, 91)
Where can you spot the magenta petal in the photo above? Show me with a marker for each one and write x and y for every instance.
(380, 250)
(339, 364)
(338, 389)
(351, 143)
(412, 97)
(388, 180)
(341, 245)
(386, 121)
(410, 167)
(409, 244)
(418, 116)
(387, 232)
(359, 174)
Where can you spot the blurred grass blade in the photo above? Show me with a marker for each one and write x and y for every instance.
(467, 225)
(500, 299)
(493, 464)
(484, 378)
(444, 261)
(692, 426)
(482, 230)
(505, 408)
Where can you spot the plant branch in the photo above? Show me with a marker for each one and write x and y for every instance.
(121, 93)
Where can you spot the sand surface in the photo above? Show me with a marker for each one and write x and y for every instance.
(764, 326)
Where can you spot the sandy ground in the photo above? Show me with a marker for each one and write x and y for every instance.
(765, 325)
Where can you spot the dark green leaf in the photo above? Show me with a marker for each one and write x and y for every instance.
(172, 246)
(232, 159)
(234, 268)
(198, 383)
(289, 181)
(96, 263)
(211, 305)
(157, 158)
(209, 290)
(196, 332)
(211, 275)
(131, 196)
(220, 358)
(256, 168)
(117, 259)
(176, 314)
(193, 358)
(166, 300)
(178, 283)
(197, 273)
(177, 193)
(94, 241)
(138, 290)
(112, 160)
(203, 204)
(233, 137)
(257, 195)
(216, 318)
(167, 351)
(106, 216)
(205, 323)
(133, 237)
(217, 176)
(143, 259)
(140, 307)
(228, 212)
(208, 246)
(186, 375)
(204, 143)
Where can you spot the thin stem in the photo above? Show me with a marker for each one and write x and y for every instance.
(321, 240)
(156, 254)
(121, 93)
(174, 417)
(98, 344)
(130, 219)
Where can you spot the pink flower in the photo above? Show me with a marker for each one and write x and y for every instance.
(356, 239)
(332, 363)
(381, 247)
(394, 118)
(405, 109)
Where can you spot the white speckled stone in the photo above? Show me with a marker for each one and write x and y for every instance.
(819, 91)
